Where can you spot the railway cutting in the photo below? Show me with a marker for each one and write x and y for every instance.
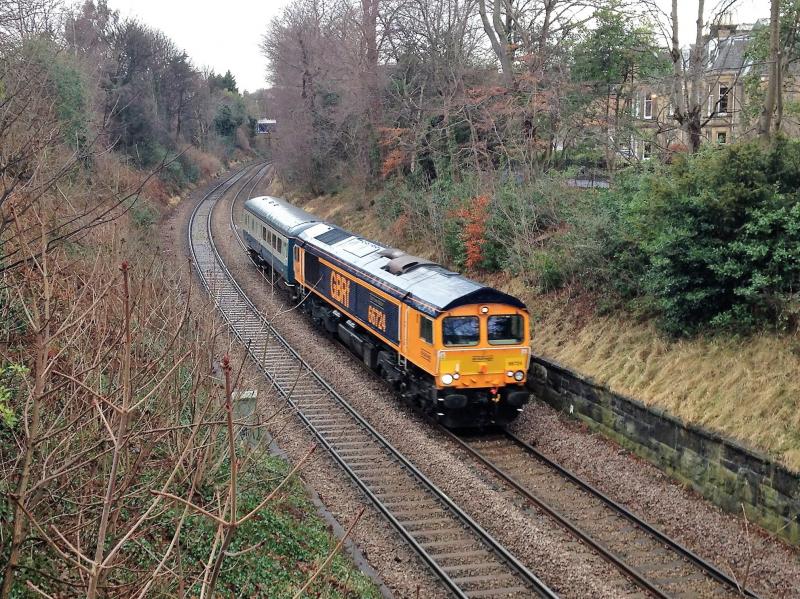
(468, 560)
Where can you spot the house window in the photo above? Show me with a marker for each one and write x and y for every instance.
(647, 150)
(648, 106)
(722, 103)
(426, 329)
(722, 137)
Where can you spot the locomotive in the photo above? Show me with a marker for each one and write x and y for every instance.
(456, 349)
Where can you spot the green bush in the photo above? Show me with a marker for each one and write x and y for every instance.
(67, 87)
(142, 214)
(549, 271)
(718, 234)
(11, 375)
(177, 171)
(191, 172)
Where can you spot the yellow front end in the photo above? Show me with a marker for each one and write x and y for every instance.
(482, 347)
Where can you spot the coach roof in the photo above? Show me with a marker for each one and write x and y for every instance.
(280, 214)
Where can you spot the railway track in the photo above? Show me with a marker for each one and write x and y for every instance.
(659, 565)
(465, 558)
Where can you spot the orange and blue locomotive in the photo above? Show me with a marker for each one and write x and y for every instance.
(457, 349)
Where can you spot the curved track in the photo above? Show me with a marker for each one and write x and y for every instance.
(657, 563)
(467, 560)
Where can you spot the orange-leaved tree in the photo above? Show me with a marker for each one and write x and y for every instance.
(474, 214)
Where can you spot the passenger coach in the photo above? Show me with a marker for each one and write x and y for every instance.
(456, 348)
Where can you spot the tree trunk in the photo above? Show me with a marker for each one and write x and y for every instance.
(694, 128)
(369, 16)
(678, 104)
(697, 71)
(765, 122)
(494, 31)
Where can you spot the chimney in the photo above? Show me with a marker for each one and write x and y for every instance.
(723, 27)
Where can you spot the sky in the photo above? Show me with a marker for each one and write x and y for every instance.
(226, 35)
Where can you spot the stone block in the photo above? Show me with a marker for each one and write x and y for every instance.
(786, 482)
(665, 432)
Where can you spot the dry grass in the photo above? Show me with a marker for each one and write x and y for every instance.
(208, 164)
(747, 389)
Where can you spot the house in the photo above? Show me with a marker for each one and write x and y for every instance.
(726, 67)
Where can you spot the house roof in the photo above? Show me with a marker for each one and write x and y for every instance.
(729, 54)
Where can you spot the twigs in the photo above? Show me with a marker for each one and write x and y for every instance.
(119, 422)
(330, 557)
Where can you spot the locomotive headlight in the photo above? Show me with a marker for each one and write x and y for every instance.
(484, 309)
(510, 373)
(519, 375)
(447, 379)
(456, 376)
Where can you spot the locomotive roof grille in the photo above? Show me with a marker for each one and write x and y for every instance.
(334, 235)
(405, 263)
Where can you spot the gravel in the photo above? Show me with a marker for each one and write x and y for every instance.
(763, 563)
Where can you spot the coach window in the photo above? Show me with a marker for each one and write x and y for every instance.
(280, 245)
(460, 330)
(426, 329)
(263, 232)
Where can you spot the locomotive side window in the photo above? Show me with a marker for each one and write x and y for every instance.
(426, 329)
(505, 330)
(460, 330)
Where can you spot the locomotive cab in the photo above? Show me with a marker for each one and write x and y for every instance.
(478, 355)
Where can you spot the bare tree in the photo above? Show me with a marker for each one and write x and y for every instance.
(774, 86)
(693, 81)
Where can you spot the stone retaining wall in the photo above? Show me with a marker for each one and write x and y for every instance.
(720, 469)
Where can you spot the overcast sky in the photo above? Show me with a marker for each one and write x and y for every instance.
(226, 35)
